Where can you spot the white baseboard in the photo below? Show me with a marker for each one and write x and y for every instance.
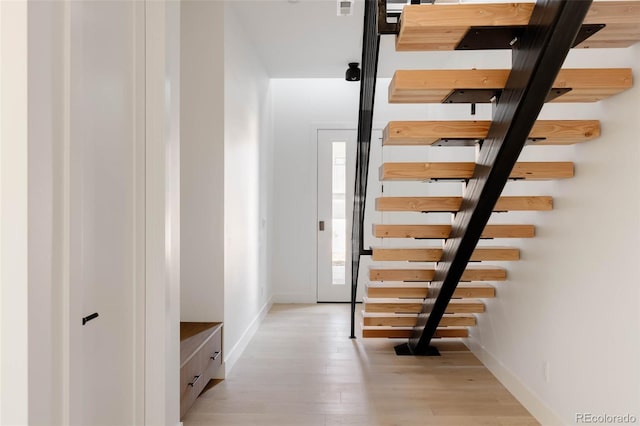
(294, 298)
(538, 409)
(233, 355)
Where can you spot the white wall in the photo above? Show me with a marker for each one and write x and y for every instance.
(226, 157)
(571, 305)
(298, 103)
(247, 184)
(202, 160)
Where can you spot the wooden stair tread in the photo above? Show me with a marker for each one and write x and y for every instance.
(443, 231)
(433, 86)
(426, 274)
(455, 306)
(546, 132)
(537, 170)
(399, 333)
(421, 292)
(452, 204)
(442, 26)
(434, 254)
(386, 320)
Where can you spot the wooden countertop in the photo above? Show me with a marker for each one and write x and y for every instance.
(190, 329)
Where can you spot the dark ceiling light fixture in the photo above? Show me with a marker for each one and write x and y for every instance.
(353, 72)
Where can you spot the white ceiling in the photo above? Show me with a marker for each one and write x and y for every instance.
(307, 39)
(302, 39)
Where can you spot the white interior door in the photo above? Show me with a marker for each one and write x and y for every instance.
(105, 170)
(336, 181)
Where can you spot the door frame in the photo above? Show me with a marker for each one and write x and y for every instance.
(161, 264)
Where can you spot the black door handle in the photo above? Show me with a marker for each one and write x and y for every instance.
(89, 318)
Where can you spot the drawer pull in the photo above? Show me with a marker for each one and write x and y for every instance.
(215, 356)
(195, 380)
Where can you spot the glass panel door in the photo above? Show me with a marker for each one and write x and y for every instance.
(336, 174)
(336, 181)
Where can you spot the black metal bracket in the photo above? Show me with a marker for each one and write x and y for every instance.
(486, 96)
(457, 142)
(405, 350)
(506, 37)
(384, 26)
(474, 141)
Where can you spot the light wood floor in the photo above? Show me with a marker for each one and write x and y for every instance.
(301, 369)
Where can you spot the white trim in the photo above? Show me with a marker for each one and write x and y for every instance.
(162, 215)
(155, 270)
(233, 355)
(139, 194)
(14, 276)
(65, 225)
(528, 398)
(294, 298)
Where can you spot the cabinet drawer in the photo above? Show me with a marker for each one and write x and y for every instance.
(213, 352)
(199, 369)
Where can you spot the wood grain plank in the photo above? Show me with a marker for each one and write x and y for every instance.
(426, 274)
(397, 292)
(432, 86)
(443, 231)
(452, 204)
(450, 320)
(392, 333)
(435, 254)
(622, 19)
(393, 307)
(406, 171)
(442, 26)
(411, 292)
(553, 132)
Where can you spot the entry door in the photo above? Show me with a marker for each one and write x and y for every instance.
(106, 204)
(336, 182)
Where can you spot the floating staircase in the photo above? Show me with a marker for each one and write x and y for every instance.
(396, 296)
